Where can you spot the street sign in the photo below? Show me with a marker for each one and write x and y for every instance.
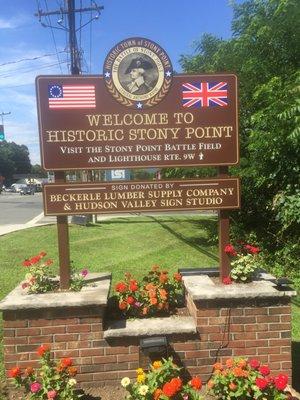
(194, 124)
(135, 196)
(2, 136)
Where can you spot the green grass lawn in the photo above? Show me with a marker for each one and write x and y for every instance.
(120, 245)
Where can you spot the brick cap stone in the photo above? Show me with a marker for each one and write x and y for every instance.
(202, 287)
(150, 326)
(94, 293)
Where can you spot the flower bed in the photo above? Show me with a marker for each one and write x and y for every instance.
(156, 294)
(40, 279)
(53, 380)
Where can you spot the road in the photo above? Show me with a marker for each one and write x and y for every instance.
(17, 209)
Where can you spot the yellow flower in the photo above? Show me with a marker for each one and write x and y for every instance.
(125, 381)
(156, 364)
(72, 382)
(141, 378)
(143, 390)
(140, 371)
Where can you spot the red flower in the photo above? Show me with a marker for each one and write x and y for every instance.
(14, 372)
(177, 383)
(43, 349)
(26, 263)
(178, 277)
(261, 383)
(264, 370)
(254, 363)
(121, 287)
(66, 362)
(230, 250)
(24, 285)
(227, 280)
(130, 300)
(35, 259)
(170, 388)
(42, 254)
(196, 383)
(252, 249)
(281, 381)
(133, 286)
(48, 262)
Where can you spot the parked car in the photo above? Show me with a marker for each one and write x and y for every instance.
(25, 189)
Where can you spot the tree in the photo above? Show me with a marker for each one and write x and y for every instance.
(264, 53)
(14, 159)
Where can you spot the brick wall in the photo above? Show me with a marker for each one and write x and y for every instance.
(256, 329)
(261, 329)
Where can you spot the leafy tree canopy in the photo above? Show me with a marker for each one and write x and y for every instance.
(14, 159)
(264, 52)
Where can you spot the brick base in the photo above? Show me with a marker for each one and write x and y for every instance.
(258, 328)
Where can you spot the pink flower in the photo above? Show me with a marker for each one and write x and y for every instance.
(230, 250)
(84, 272)
(35, 387)
(51, 394)
(227, 280)
(254, 363)
(264, 370)
(24, 285)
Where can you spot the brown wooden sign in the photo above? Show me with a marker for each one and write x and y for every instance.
(83, 126)
(135, 196)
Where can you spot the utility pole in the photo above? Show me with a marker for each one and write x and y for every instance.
(62, 221)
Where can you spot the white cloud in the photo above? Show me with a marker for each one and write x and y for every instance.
(12, 23)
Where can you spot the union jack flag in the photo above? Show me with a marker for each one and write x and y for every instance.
(204, 94)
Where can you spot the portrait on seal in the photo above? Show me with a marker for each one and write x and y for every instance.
(138, 74)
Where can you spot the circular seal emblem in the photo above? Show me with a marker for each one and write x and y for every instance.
(138, 73)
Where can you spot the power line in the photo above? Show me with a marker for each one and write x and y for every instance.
(34, 69)
(53, 37)
(31, 59)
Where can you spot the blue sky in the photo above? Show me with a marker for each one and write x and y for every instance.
(174, 24)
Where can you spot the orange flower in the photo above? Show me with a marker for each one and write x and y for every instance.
(196, 383)
(122, 305)
(150, 286)
(121, 287)
(163, 294)
(242, 363)
(153, 301)
(232, 386)
(72, 371)
(14, 372)
(29, 371)
(218, 366)
(238, 372)
(163, 278)
(145, 310)
(152, 293)
(178, 277)
(157, 393)
(156, 364)
(229, 363)
(210, 384)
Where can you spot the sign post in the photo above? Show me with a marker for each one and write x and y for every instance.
(63, 241)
